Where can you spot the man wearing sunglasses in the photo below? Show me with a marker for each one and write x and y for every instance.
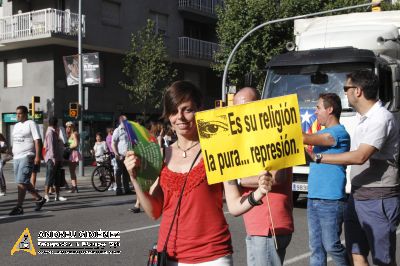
(373, 212)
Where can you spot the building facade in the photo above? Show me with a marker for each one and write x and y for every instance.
(35, 35)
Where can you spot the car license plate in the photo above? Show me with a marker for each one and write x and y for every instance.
(303, 187)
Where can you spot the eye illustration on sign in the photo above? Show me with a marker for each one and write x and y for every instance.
(207, 129)
(264, 134)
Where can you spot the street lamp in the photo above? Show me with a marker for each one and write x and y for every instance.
(276, 21)
(80, 88)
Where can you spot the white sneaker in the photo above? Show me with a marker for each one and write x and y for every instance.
(60, 198)
(47, 198)
(2, 193)
(113, 187)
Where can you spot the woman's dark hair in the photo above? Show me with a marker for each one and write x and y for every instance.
(99, 134)
(178, 93)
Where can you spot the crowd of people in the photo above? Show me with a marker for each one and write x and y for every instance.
(193, 229)
(370, 215)
(60, 148)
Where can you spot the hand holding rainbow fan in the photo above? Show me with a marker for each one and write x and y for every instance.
(146, 147)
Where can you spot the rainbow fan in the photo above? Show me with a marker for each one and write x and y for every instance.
(146, 147)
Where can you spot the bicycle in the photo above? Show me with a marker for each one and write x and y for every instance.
(103, 174)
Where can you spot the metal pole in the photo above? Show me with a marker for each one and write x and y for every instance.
(272, 22)
(80, 89)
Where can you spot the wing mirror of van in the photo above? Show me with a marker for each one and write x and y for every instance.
(397, 74)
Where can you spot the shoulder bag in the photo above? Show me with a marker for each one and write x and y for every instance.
(160, 258)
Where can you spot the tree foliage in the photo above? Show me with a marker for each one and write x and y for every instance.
(146, 68)
(237, 17)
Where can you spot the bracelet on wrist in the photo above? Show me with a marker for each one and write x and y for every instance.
(253, 201)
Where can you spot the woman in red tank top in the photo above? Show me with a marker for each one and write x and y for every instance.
(200, 233)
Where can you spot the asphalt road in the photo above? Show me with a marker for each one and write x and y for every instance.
(93, 211)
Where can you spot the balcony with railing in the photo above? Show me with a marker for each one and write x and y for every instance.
(39, 24)
(206, 7)
(198, 49)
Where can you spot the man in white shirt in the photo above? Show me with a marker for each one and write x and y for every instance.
(26, 151)
(373, 212)
(119, 145)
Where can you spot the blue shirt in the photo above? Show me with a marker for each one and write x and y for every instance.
(328, 181)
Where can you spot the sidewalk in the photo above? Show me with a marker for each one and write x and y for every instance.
(41, 176)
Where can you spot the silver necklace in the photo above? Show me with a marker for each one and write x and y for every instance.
(185, 150)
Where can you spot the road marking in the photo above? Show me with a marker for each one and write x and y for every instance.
(73, 200)
(146, 227)
(140, 228)
(306, 255)
(297, 258)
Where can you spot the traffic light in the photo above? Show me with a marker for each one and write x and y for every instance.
(30, 109)
(73, 110)
(35, 99)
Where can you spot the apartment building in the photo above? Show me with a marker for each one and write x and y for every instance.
(36, 34)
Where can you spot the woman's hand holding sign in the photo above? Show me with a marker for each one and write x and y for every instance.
(265, 182)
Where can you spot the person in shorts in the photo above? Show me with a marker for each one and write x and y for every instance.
(26, 151)
(35, 170)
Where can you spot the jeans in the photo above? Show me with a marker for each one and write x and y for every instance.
(114, 165)
(325, 219)
(261, 250)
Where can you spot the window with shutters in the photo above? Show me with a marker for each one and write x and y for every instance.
(160, 22)
(13, 73)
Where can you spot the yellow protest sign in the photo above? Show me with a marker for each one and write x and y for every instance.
(242, 140)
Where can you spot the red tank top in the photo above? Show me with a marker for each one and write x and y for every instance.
(200, 232)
